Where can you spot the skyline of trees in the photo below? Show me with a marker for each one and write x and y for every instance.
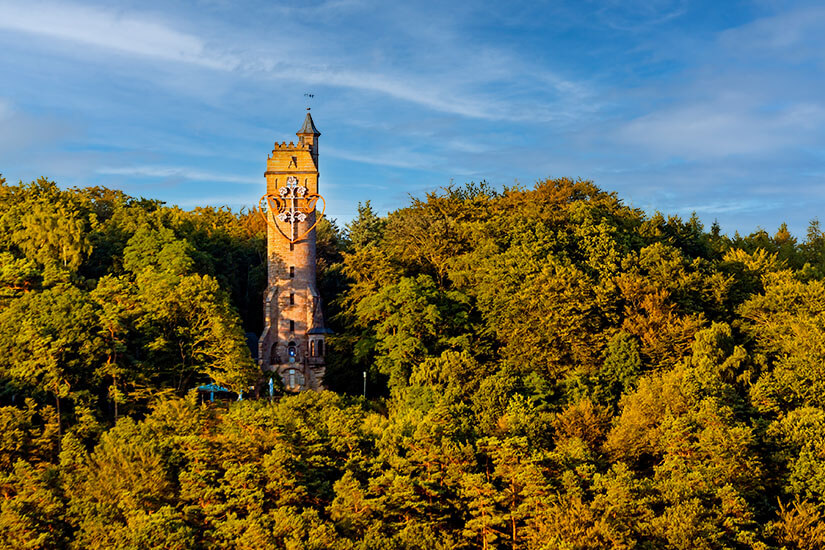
(582, 375)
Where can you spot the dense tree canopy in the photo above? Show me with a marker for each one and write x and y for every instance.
(546, 368)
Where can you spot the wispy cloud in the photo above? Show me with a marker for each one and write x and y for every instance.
(111, 29)
(455, 88)
(408, 89)
(628, 15)
(723, 129)
(396, 159)
(177, 172)
(796, 33)
(729, 206)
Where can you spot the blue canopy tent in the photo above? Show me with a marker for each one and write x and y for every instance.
(213, 389)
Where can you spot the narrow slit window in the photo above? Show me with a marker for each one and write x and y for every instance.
(292, 272)
(312, 348)
(291, 247)
(292, 326)
(292, 299)
(320, 348)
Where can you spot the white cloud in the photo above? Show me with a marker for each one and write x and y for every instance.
(797, 32)
(177, 172)
(627, 15)
(109, 29)
(729, 206)
(427, 94)
(453, 85)
(396, 159)
(723, 128)
(431, 91)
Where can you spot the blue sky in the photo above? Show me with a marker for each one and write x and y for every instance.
(679, 106)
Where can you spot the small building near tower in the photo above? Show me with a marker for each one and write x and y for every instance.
(293, 342)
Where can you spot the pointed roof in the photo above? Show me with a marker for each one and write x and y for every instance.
(309, 127)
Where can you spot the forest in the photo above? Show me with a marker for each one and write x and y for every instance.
(547, 368)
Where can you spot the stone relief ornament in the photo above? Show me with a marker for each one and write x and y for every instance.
(291, 206)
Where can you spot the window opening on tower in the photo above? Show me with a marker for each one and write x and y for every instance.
(292, 299)
(292, 272)
(292, 326)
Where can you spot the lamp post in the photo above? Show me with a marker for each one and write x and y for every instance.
(365, 384)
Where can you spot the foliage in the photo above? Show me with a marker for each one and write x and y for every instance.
(546, 368)
(108, 300)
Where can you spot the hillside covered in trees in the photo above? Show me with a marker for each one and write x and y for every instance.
(547, 368)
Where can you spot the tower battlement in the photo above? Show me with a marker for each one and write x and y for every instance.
(291, 146)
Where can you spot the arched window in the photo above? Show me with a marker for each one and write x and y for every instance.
(312, 348)
(320, 348)
(292, 349)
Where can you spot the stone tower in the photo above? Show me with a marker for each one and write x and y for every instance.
(292, 344)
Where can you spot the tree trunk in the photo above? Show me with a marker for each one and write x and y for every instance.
(513, 522)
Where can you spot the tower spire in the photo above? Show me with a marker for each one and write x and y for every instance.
(309, 127)
(308, 135)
